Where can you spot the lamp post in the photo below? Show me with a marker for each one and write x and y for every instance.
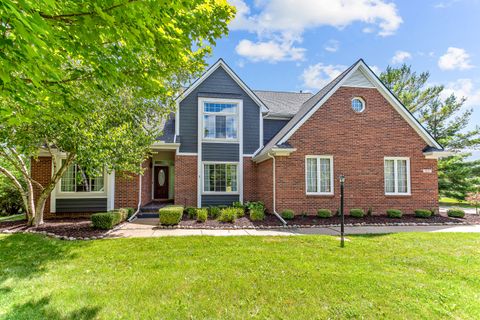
(342, 225)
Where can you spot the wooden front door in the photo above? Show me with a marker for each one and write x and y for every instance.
(160, 182)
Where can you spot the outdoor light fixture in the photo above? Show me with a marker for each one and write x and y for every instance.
(342, 225)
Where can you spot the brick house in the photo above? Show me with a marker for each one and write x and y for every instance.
(228, 143)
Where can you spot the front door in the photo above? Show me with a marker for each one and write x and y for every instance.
(160, 182)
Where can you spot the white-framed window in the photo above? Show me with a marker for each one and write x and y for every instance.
(76, 180)
(319, 175)
(358, 104)
(397, 175)
(220, 177)
(220, 120)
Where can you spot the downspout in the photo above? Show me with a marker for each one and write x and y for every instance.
(274, 194)
(134, 215)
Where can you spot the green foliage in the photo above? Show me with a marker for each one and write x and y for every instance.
(457, 177)
(106, 220)
(170, 215)
(257, 214)
(287, 214)
(394, 213)
(456, 213)
(251, 205)
(238, 204)
(324, 213)
(213, 212)
(10, 200)
(228, 215)
(202, 215)
(423, 213)
(369, 211)
(191, 212)
(357, 213)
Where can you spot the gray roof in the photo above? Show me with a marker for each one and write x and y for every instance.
(168, 129)
(305, 108)
(281, 103)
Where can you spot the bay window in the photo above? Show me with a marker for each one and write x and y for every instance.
(397, 176)
(220, 121)
(319, 175)
(220, 177)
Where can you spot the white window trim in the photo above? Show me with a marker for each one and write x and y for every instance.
(363, 104)
(220, 192)
(396, 193)
(318, 193)
(202, 102)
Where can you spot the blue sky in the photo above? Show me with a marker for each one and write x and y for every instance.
(301, 44)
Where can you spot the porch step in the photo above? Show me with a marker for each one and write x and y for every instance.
(147, 215)
(152, 208)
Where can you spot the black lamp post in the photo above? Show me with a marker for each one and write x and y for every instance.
(342, 225)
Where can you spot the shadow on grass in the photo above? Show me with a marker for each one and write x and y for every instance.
(40, 310)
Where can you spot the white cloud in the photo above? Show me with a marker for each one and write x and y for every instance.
(332, 46)
(455, 59)
(271, 51)
(285, 21)
(463, 88)
(376, 70)
(318, 75)
(445, 4)
(401, 57)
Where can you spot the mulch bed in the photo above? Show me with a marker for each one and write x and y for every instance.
(76, 228)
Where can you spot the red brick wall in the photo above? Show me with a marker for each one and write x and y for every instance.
(186, 180)
(249, 180)
(147, 182)
(358, 142)
(41, 171)
(265, 184)
(127, 185)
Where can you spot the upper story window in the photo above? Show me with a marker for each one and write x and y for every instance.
(319, 175)
(358, 104)
(220, 121)
(76, 180)
(397, 175)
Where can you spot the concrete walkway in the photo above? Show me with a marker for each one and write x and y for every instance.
(141, 229)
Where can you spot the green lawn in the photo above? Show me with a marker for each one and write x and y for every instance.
(15, 217)
(454, 202)
(411, 276)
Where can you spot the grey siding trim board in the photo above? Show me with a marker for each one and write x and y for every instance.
(81, 205)
(220, 152)
(216, 200)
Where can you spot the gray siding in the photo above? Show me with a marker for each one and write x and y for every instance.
(271, 128)
(220, 152)
(218, 85)
(81, 205)
(216, 200)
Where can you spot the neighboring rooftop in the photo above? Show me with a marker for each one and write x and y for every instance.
(283, 103)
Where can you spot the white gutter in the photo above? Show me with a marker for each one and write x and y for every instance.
(274, 195)
(134, 215)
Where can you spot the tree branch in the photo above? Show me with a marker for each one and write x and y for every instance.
(68, 16)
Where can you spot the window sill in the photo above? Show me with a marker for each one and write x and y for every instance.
(220, 193)
(311, 194)
(398, 195)
(220, 141)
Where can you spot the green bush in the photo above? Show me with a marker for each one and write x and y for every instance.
(456, 213)
(287, 214)
(130, 212)
(10, 200)
(324, 213)
(213, 212)
(106, 220)
(124, 213)
(257, 214)
(191, 212)
(369, 211)
(238, 204)
(170, 215)
(202, 215)
(394, 213)
(357, 213)
(423, 213)
(240, 212)
(251, 205)
(228, 215)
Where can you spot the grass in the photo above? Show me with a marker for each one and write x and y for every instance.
(410, 276)
(454, 202)
(14, 217)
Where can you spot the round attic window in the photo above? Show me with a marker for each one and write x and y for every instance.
(358, 104)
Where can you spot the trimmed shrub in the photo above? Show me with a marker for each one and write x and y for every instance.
(191, 212)
(324, 213)
(456, 213)
(257, 214)
(130, 212)
(394, 213)
(240, 212)
(423, 213)
(251, 205)
(357, 213)
(124, 213)
(228, 215)
(238, 204)
(170, 215)
(106, 220)
(287, 214)
(202, 215)
(213, 212)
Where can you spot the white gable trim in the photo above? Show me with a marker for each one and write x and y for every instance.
(358, 80)
(383, 90)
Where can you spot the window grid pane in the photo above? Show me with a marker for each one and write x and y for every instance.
(68, 180)
(75, 180)
(325, 183)
(402, 176)
(312, 175)
(222, 125)
(220, 177)
(389, 176)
